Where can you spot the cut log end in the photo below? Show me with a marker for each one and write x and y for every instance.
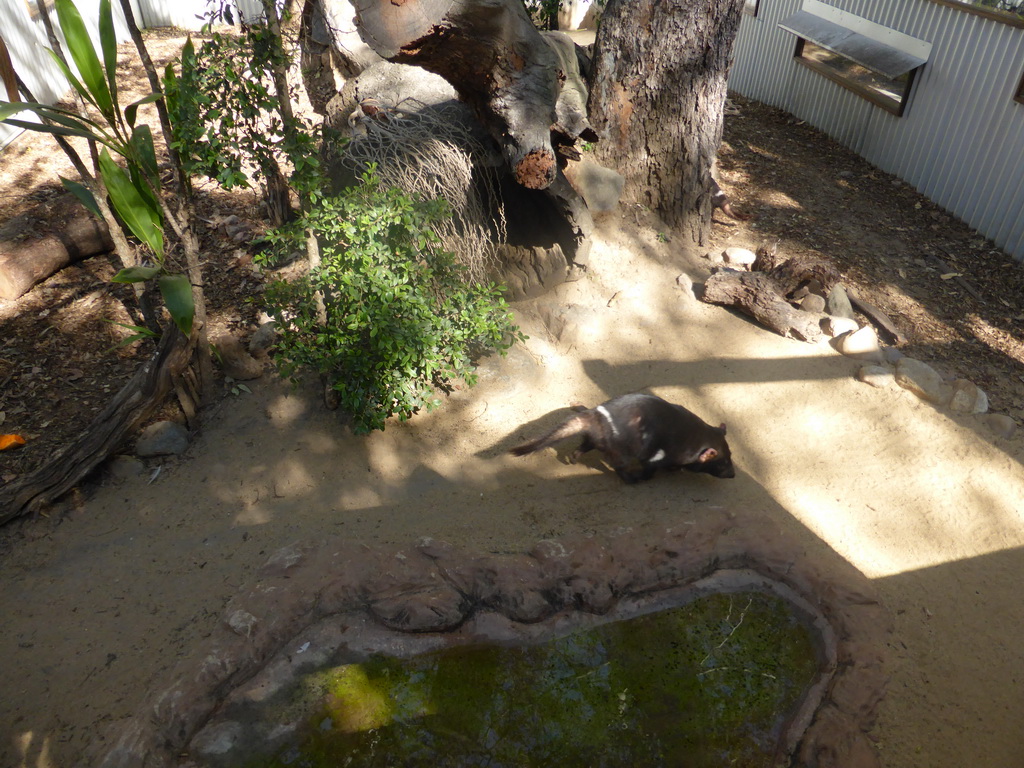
(537, 169)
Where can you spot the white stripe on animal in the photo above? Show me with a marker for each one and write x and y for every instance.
(658, 456)
(608, 417)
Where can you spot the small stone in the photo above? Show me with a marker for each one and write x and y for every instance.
(968, 398)
(163, 438)
(685, 283)
(892, 355)
(861, 345)
(813, 303)
(242, 623)
(714, 257)
(1001, 424)
(921, 379)
(838, 303)
(283, 560)
(877, 376)
(837, 326)
(739, 256)
(217, 740)
(122, 467)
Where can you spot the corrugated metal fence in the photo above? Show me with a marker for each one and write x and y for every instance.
(961, 139)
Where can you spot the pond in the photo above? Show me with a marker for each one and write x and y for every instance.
(710, 683)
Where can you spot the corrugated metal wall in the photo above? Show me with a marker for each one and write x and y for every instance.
(961, 139)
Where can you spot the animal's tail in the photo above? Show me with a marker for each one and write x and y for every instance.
(568, 428)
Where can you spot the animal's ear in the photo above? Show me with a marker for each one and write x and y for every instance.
(721, 427)
(708, 454)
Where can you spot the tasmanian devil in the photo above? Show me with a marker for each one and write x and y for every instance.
(720, 200)
(641, 433)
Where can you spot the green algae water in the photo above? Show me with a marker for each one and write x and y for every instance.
(708, 684)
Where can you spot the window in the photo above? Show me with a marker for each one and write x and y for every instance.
(888, 93)
(875, 62)
(1007, 11)
(1019, 96)
(750, 7)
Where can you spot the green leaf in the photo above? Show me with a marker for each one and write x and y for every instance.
(132, 109)
(177, 293)
(84, 195)
(135, 210)
(84, 56)
(58, 115)
(108, 44)
(135, 274)
(140, 332)
(144, 153)
(53, 130)
(71, 77)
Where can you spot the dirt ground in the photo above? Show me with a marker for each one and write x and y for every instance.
(105, 592)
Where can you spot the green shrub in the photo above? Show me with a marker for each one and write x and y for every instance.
(402, 321)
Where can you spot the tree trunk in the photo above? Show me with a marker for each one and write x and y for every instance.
(656, 98)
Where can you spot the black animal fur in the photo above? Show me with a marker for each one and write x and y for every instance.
(639, 434)
(720, 200)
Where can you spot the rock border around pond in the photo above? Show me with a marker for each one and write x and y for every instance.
(431, 588)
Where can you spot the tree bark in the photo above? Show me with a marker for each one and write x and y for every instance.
(495, 59)
(756, 294)
(656, 98)
(43, 241)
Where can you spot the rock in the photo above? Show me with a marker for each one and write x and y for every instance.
(861, 344)
(685, 283)
(837, 326)
(600, 187)
(838, 303)
(921, 379)
(876, 375)
(263, 339)
(812, 302)
(713, 257)
(242, 623)
(122, 467)
(1000, 424)
(892, 355)
(739, 256)
(234, 360)
(163, 438)
(968, 398)
(427, 610)
(217, 739)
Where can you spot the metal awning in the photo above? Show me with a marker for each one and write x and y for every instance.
(878, 57)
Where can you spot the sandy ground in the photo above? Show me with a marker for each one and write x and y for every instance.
(99, 603)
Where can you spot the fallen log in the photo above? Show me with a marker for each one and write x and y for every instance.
(138, 400)
(878, 317)
(756, 294)
(43, 241)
